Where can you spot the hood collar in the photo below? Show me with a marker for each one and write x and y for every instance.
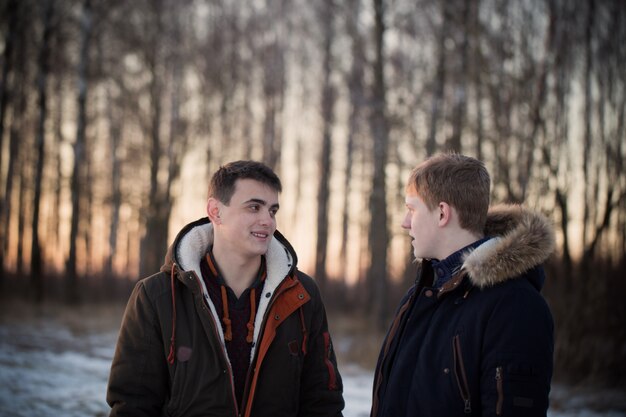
(190, 247)
(194, 240)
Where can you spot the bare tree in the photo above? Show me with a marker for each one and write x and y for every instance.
(326, 12)
(379, 234)
(11, 37)
(161, 58)
(13, 17)
(440, 80)
(356, 88)
(36, 267)
(589, 27)
(115, 119)
(154, 242)
(475, 71)
(460, 93)
(86, 27)
(274, 95)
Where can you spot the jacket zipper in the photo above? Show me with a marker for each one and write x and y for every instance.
(461, 376)
(393, 333)
(500, 391)
(217, 337)
(246, 390)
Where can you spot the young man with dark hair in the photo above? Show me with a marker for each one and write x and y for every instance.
(473, 336)
(229, 327)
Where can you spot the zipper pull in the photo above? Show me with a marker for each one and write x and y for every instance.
(498, 373)
(468, 407)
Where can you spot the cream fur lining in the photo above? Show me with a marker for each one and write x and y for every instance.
(521, 240)
(195, 244)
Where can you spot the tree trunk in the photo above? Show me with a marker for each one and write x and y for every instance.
(378, 234)
(154, 242)
(357, 101)
(273, 87)
(7, 64)
(587, 156)
(25, 176)
(541, 93)
(248, 119)
(115, 135)
(440, 81)
(14, 154)
(79, 152)
(7, 67)
(476, 70)
(460, 95)
(55, 216)
(328, 103)
(36, 267)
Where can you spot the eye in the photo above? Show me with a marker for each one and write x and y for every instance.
(254, 207)
(273, 212)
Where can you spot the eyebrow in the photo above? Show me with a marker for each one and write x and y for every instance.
(261, 202)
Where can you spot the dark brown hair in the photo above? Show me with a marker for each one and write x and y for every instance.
(222, 184)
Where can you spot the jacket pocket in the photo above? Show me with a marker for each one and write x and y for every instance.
(499, 390)
(328, 350)
(461, 376)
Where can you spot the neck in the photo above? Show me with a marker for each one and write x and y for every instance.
(455, 241)
(237, 271)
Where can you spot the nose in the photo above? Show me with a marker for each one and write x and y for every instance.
(406, 223)
(266, 218)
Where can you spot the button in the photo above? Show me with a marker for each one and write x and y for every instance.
(301, 296)
(276, 317)
(446, 370)
(268, 295)
(428, 293)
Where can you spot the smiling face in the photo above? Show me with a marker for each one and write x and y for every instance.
(245, 226)
(423, 226)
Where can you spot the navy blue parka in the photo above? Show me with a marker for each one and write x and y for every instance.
(482, 344)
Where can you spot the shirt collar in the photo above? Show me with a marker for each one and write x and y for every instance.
(448, 267)
(216, 275)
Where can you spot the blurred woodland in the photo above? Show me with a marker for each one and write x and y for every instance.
(114, 114)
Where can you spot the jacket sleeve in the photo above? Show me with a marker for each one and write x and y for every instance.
(518, 356)
(138, 379)
(321, 388)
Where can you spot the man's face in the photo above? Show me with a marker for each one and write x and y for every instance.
(422, 224)
(247, 223)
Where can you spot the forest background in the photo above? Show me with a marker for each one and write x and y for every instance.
(114, 114)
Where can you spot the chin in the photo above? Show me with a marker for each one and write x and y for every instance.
(260, 251)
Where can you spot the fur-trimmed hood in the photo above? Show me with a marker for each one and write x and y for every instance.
(521, 240)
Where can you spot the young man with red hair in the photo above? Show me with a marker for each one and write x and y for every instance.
(473, 336)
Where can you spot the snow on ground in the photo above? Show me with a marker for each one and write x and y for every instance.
(49, 368)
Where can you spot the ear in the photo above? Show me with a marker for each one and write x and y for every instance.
(213, 210)
(445, 213)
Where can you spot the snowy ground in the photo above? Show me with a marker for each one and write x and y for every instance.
(51, 366)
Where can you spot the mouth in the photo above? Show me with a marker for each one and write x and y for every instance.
(260, 235)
